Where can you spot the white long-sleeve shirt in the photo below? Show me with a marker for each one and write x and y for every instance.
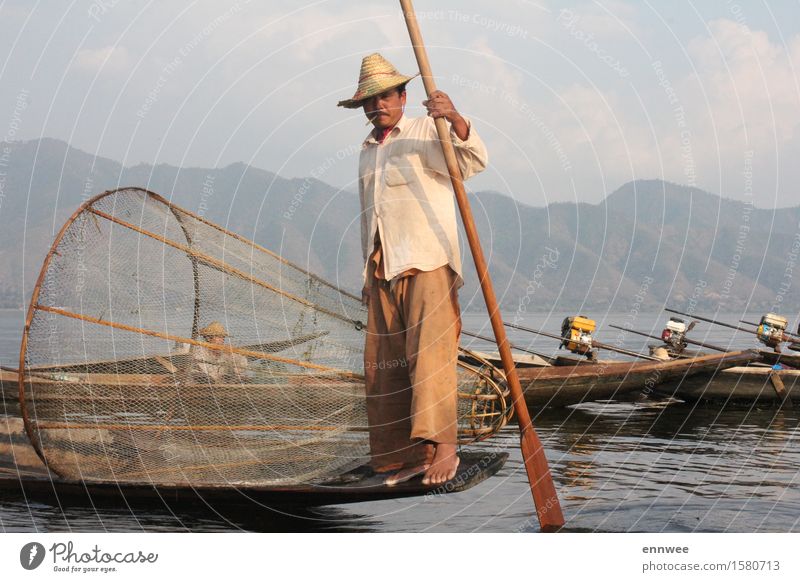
(212, 365)
(407, 197)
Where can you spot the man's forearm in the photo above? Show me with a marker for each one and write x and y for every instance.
(461, 127)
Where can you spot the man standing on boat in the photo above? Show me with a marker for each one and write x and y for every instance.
(412, 274)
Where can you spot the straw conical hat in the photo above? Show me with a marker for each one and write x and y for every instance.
(377, 75)
(214, 329)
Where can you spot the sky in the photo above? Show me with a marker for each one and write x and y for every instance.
(573, 99)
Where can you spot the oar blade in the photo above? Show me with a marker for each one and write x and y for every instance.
(545, 497)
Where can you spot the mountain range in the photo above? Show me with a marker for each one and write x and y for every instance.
(648, 244)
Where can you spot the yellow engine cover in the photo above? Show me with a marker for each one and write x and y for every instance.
(770, 330)
(776, 321)
(583, 324)
(577, 333)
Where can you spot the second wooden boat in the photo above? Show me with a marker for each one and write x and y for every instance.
(566, 385)
(740, 384)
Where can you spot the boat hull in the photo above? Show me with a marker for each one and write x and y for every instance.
(746, 385)
(769, 357)
(567, 385)
(22, 473)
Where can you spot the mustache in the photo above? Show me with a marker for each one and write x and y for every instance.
(373, 114)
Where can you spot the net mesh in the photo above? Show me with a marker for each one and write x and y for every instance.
(120, 383)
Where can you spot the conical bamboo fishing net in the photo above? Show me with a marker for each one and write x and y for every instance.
(118, 384)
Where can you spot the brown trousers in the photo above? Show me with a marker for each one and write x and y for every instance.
(413, 328)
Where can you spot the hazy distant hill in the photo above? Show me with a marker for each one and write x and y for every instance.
(649, 243)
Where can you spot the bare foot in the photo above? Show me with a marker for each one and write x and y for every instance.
(444, 465)
(405, 475)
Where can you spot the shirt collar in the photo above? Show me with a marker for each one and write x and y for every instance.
(398, 128)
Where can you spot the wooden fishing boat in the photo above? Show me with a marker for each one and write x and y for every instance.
(582, 361)
(740, 384)
(475, 357)
(532, 360)
(22, 472)
(772, 357)
(117, 389)
(566, 385)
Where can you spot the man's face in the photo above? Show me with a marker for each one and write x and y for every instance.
(216, 339)
(386, 109)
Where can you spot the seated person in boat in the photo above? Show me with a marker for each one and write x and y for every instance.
(215, 366)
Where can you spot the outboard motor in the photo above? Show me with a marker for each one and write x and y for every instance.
(770, 330)
(576, 332)
(795, 345)
(674, 335)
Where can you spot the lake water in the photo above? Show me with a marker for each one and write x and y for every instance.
(618, 467)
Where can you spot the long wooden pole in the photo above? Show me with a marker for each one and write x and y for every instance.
(548, 508)
(545, 357)
(790, 336)
(594, 343)
(708, 320)
(655, 337)
(193, 342)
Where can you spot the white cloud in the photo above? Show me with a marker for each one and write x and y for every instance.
(735, 102)
(751, 85)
